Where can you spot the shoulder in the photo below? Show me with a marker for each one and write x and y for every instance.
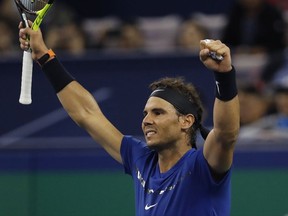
(202, 169)
(133, 143)
(134, 150)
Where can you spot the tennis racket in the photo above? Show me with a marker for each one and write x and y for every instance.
(38, 9)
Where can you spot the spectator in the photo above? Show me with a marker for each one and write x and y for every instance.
(131, 37)
(68, 38)
(257, 27)
(64, 31)
(9, 18)
(125, 37)
(274, 125)
(9, 39)
(9, 10)
(190, 33)
(254, 104)
(109, 39)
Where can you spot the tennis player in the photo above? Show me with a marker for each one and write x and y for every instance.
(171, 176)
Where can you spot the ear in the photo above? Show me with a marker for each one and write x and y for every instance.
(186, 121)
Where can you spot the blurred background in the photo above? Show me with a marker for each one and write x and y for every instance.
(51, 167)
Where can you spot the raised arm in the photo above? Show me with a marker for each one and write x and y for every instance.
(219, 145)
(84, 110)
(76, 100)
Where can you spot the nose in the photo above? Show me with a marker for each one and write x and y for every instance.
(147, 120)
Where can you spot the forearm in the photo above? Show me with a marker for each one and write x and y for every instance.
(84, 111)
(226, 108)
(78, 103)
(76, 100)
(226, 119)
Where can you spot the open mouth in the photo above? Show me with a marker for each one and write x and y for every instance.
(149, 133)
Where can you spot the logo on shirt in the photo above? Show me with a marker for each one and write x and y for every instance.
(217, 86)
(147, 207)
(151, 190)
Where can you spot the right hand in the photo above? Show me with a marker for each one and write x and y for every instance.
(35, 42)
(221, 49)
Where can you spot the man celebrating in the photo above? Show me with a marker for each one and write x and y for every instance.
(171, 176)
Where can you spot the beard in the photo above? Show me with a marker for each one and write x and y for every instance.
(160, 145)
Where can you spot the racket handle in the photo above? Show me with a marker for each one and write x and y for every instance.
(214, 55)
(24, 19)
(26, 79)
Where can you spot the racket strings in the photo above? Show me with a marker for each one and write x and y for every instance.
(34, 5)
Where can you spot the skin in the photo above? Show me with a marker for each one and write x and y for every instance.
(164, 130)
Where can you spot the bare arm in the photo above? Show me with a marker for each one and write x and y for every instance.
(78, 102)
(220, 143)
(84, 110)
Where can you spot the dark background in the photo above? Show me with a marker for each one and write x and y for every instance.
(134, 8)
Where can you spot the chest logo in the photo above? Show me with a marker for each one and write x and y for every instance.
(147, 207)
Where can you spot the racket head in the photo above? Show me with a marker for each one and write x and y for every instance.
(32, 7)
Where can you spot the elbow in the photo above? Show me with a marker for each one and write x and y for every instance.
(227, 138)
(82, 117)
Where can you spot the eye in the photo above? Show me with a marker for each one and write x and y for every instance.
(144, 113)
(157, 112)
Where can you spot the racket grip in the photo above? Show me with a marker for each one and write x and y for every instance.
(214, 55)
(26, 79)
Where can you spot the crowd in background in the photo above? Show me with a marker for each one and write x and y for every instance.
(255, 30)
(66, 31)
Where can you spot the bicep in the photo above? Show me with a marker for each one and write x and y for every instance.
(218, 155)
(105, 134)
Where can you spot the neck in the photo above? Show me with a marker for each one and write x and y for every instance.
(169, 157)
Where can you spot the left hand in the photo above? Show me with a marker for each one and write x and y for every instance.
(221, 49)
(35, 42)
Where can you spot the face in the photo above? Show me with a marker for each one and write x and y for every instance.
(160, 125)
